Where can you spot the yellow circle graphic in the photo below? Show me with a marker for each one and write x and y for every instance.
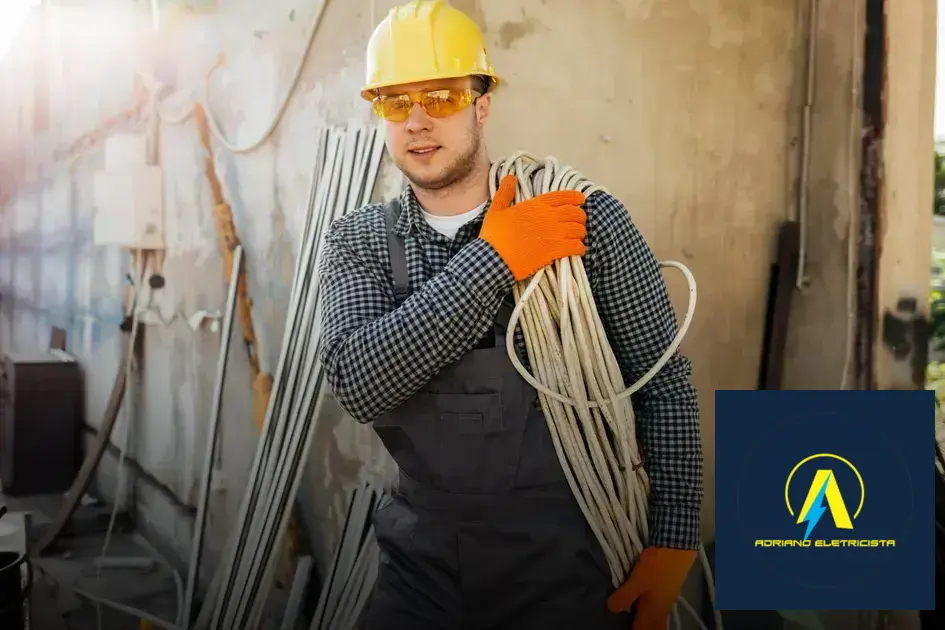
(856, 472)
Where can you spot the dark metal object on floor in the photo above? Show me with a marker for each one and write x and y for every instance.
(14, 592)
(16, 571)
(40, 422)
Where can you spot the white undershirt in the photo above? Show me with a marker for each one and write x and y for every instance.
(449, 226)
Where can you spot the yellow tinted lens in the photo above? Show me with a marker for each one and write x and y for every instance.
(443, 103)
(393, 108)
(436, 104)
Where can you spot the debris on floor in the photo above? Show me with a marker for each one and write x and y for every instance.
(73, 578)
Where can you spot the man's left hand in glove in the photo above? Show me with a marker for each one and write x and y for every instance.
(655, 584)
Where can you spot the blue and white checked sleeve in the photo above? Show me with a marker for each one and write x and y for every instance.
(375, 356)
(638, 317)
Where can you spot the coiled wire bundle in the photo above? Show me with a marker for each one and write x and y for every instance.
(581, 389)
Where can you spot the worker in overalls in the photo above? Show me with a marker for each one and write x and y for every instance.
(483, 531)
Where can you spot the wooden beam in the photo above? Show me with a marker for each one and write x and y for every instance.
(903, 221)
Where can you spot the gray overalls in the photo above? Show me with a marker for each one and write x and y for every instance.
(483, 532)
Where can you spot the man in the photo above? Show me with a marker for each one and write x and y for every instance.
(483, 531)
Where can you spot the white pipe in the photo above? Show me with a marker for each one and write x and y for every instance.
(193, 573)
(804, 185)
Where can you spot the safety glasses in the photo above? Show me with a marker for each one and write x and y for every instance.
(435, 103)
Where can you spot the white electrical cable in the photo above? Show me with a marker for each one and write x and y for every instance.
(580, 386)
(212, 122)
(178, 582)
(853, 174)
(127, 412)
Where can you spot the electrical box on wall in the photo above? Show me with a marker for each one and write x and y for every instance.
(129, 196)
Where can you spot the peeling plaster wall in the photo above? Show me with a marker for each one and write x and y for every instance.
(688, 111)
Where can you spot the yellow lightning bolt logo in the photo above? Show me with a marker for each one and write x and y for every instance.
(824, 494)
(824, 487)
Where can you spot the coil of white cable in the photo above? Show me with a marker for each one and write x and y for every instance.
(581, 389)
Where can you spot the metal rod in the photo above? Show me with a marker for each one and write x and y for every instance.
(299, 368)
(804, 184)
(367, 587)
(296, 431)
(274, 472)
(323, 596)
(261, 589)
(301, 421)
(350, 589)
(231, 559)
(364, 152)
(348, 585)
(352, 159)
(323, 156)
(349, 548)
(283, 379)
(193, 572)
(303, 435)
(375, 169)
(300, 582)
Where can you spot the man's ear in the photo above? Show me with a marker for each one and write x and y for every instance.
(483, 107)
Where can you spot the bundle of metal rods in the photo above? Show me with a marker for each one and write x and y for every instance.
(350, 580)
(346, 170)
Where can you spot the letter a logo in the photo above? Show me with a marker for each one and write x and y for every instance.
(823, 487)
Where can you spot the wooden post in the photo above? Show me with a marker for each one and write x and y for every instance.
(896, 213)
(902, 241)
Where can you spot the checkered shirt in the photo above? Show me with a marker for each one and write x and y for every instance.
(376, 356)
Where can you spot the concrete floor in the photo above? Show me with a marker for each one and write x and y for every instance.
(55, 605)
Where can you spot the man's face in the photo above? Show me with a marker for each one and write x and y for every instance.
(434, 153)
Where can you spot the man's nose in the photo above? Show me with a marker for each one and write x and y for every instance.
(418, 119)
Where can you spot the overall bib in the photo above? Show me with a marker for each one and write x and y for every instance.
(482, 532)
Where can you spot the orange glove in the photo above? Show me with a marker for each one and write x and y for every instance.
(535, 233)
(655, 584)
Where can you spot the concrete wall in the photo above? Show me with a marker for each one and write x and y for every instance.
(688, 111)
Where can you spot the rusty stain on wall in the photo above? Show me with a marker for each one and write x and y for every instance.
(511, 32)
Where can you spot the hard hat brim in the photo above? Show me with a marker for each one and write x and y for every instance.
(368, 91)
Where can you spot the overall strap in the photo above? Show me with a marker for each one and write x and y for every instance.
(397, 251)
(502, 318)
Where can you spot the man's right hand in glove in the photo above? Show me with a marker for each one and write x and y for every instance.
(537, 232)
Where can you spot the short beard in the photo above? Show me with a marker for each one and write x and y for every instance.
(461, 169)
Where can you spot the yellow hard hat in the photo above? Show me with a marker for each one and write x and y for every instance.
(425, 40)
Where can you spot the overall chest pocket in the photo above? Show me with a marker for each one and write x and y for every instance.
(476, 445)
